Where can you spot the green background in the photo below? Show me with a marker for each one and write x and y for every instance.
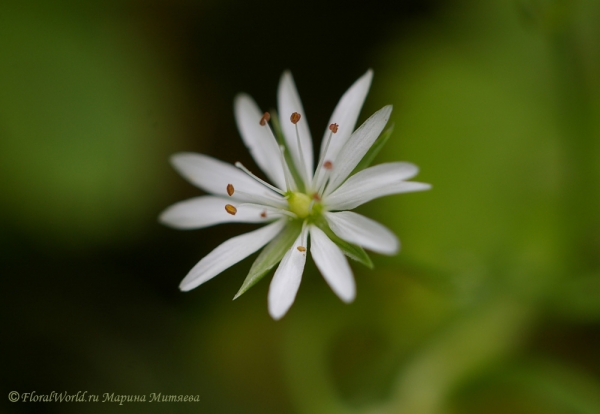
(493, 304)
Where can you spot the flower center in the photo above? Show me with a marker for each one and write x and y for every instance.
(299, 204)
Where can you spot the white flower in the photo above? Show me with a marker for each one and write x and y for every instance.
(302, 203)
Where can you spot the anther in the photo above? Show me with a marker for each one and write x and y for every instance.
(295, 118)
(333, 128)
(264, 214)
(265, 118)
(328, 165)
(301, 248)
(316, 197)
(230, 189)
(230, 209)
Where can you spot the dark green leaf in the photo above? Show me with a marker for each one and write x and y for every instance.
(271, 255)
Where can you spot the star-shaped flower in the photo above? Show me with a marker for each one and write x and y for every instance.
(302, 202)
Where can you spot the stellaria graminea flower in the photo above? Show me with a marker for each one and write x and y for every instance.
(302, 202)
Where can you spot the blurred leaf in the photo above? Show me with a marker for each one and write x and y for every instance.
(578, 298)
(471, 342)
(562, 386)
(479, 122)
(83, 109)
(527, 386)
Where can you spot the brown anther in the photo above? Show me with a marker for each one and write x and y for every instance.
(265, 118)
(264, 214)
(328, 165)
(316, 197)
(301, 248)
(295, 118)
(333, 128)
(230, 209)
(230, 189)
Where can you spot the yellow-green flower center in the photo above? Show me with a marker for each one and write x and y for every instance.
(300, 204)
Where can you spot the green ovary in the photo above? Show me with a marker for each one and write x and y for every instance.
(300, 205)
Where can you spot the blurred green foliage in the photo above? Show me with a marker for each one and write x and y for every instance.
(85, 116)
(493, 305)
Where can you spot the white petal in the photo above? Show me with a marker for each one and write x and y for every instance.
(374, 182)
(289, 102)
(199, 212)
(259, 139)
(332, 264)
(229, 253)
(363, 231)
(357, 146)
(213, 176)
(286, 281)
(346, 113)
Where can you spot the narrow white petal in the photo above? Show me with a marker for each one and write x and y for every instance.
(363, 231)
(205, 211)
(346, 114)
(286, 281)
(288, 103)
(357, 146)
(229, 253)
(332, 264)
(374, 182)
(259, 139)
(213, 176)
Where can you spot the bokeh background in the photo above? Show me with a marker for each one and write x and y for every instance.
(493, 305)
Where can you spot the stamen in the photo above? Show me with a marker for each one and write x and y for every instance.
(318, 175)
(270, 209)
(264, 214)
(328, 165)
(230, 189)
(287, 175)
(288, 179)
(303, 239)
(295, 118)
(266, 198)
(323, 185)
(230, 209)
(244, 169)
(316, 197)
(265, 118)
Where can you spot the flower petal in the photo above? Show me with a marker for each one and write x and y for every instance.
(374, 182)
(286, 281)
(213, 176)
(205, 211)
(332, 264)
(288, 103)
(346, 114)
(229, 253)
(259, 139)
(363, 231)
(357, 146)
